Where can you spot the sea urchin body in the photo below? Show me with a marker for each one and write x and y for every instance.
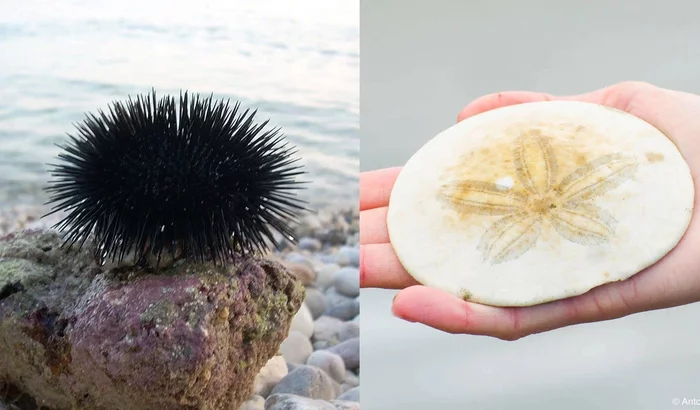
(194, 177)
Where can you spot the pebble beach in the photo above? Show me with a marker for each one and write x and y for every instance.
(318, 364)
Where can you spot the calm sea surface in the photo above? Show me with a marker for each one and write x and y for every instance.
(296, 62)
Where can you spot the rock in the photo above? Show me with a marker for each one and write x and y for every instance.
(309, 224)
(326, 258)
(316, 302)
(349, 350)
(351, 395)
(309, 244)
(307, 381)
(270, 375)
(345, 310)
(326, 276)
(348, 331)
(322, 345)
(334, 298)
(296, 348)
(347, 282)
(193, 336)
(303, 322)
(254, 403)
(294, 402)
(348, 256)
(329, 362)
(351, 379)
(302, 272)
(291, 367)
(345, 405)
(327, 328)
(297, 258)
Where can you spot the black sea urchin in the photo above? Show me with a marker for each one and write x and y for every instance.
(196, 179)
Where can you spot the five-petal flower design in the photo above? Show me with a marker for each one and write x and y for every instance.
(540, 199)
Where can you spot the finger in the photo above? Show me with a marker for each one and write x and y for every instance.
(440, 310)
(381, 268)
(448, 313)
(376, 186)
(498, 100)
(373, 227)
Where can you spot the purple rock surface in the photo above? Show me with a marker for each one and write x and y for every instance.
(192, 336)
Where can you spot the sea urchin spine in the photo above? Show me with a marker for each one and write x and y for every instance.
(197, 179)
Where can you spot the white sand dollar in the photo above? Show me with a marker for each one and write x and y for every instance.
(537, 202)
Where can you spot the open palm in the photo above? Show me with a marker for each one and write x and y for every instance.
(673, 281)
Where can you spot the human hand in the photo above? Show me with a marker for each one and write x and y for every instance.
(673, 281)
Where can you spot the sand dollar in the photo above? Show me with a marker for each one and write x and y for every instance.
(541, 201)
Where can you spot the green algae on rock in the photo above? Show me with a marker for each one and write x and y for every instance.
(193, 336)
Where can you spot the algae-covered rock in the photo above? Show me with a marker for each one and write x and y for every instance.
(193, 336)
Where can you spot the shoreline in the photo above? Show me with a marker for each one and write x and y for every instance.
(29, 216)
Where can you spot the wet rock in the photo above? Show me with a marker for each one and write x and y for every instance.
(189, 336)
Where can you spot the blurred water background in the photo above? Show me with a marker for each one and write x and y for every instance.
(296, 62)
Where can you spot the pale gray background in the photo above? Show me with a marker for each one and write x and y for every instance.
(421, 62)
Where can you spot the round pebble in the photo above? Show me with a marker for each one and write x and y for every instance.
(329, 362)
(273, 371)
(345, 310)
(351, 395)
(334, 298)
(294, 402)
(325, 276)
(345, 405)
(347, 282)
(348, 331)
(307, 381)
(327, 328)
(254, 403)
(303, 322)
(296, 348)
(309, 244)
(316, 302)
(296, 257)
(348, 256)
(351, 379)
(301, 271)
(349, 350)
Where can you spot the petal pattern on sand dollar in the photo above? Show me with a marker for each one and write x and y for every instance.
(482, 198)
(583, 223)
(535, 164)
(510, 237)
(596, 178)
